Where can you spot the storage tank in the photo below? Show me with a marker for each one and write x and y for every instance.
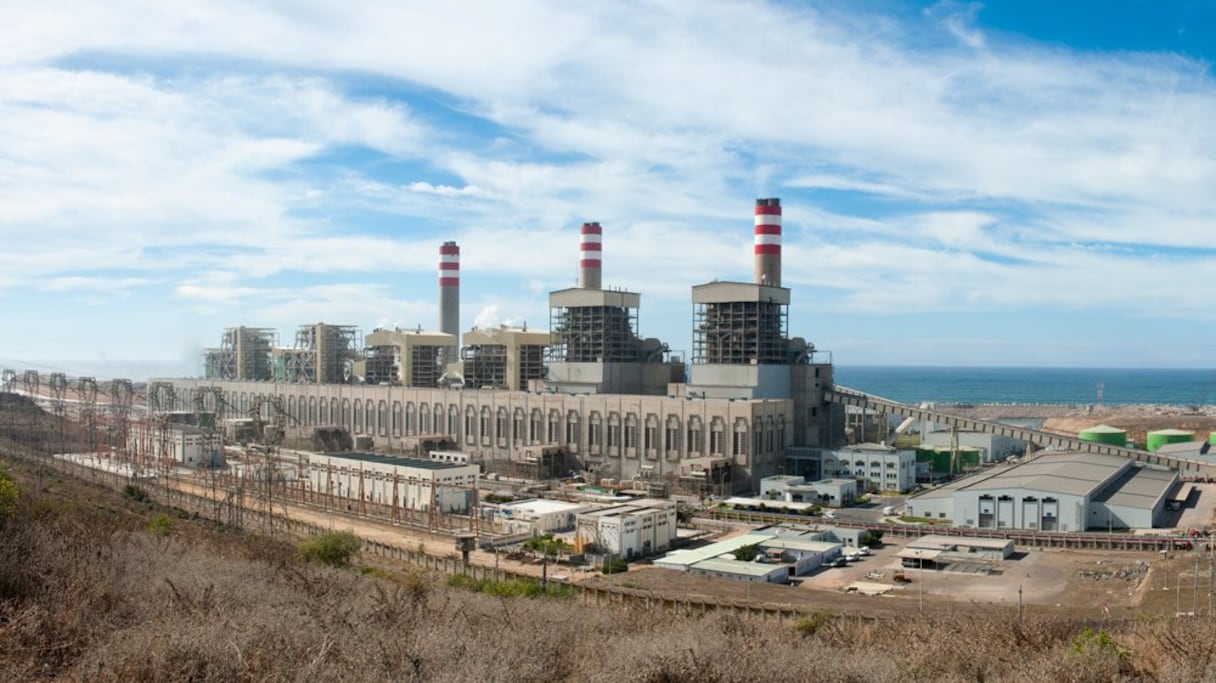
(968, 458)
(1212, 438)
(1105, 434)
(1159, 438)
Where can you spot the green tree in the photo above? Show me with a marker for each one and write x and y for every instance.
(547, 545)
(747, 553)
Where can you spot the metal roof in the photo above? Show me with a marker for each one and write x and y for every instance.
(394, 462)
(787, 543)
(1140, 487)
(936, 541)
(918, 554)
(737, 567)
(689, 557)
(1077, 474)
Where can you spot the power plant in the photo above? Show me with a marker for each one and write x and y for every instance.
(591, 394)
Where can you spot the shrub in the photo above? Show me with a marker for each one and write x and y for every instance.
(9, 492)
(133, 492)
(809, 624)
(335, 548)
(747, 553)
(160, 525)
(615, 566)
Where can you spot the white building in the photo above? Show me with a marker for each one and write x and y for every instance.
(627, 531)
(793, 489)
(781, 556)
(992, 447)
(540, 515)
(400, 482)
(1054, 492)
(178, 443)
(874, 465)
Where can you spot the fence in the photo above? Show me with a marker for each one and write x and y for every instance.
(227, 512)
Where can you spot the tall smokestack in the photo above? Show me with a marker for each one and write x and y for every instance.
(590, 249)
(449, 289)
(768, 242)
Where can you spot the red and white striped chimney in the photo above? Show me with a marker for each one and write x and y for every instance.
(768, 242)
(590, 250)
(449, 288)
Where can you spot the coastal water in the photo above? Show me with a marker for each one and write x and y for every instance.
(1118, 386)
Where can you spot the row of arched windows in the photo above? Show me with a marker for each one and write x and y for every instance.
(597, 433)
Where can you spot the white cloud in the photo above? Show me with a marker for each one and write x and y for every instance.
(160, 143)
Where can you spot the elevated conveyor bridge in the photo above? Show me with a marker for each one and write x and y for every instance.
(1191, 469)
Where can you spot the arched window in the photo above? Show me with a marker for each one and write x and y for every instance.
(573, 431)
(717, 431)
(696, 438)
(424, 419)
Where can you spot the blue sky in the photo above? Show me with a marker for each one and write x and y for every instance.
(999, 183)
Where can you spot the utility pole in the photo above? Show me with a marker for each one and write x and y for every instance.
(1019, 603)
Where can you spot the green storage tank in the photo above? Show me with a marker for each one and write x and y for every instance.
(1105, 434)
(1212, 438)
(968, 458)
(1159, 438)
(924, 454)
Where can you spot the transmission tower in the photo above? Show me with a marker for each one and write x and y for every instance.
(58, 384)
(31, 384)
(86, 392)
(122, 394)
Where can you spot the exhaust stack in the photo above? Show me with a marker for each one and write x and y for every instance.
(590, 250)
(768, 242)
(449, 289)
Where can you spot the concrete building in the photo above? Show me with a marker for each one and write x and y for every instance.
(627, 531)
(874, 466)
(413, 358)
(399, 482)
(962, 547)
(540, 515)
(178, 443)
(503, 357)
(1053, 492)
(992, 447)
(782, 554)
(613, 403)
(795, 489)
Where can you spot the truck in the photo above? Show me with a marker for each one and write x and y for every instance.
(888, 511)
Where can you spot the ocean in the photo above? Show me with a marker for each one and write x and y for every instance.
(1119, 386)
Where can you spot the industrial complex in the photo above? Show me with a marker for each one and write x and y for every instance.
(594, 434)
(591, 394)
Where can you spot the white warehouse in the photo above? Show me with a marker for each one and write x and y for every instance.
(1054, 492)
(627, 531)
(406, 482)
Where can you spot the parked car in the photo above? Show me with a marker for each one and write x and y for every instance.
(838, 562)
(864, 550)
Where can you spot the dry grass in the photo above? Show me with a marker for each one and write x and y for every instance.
(95, 596)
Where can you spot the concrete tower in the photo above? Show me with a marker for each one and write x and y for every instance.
(449, 289)
(768, 242)
(590, 247)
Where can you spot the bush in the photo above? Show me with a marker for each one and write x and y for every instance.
(9, 492)
(133, 492)
(615, 566)
(335, 548)
(747, 553)
(160, 525)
